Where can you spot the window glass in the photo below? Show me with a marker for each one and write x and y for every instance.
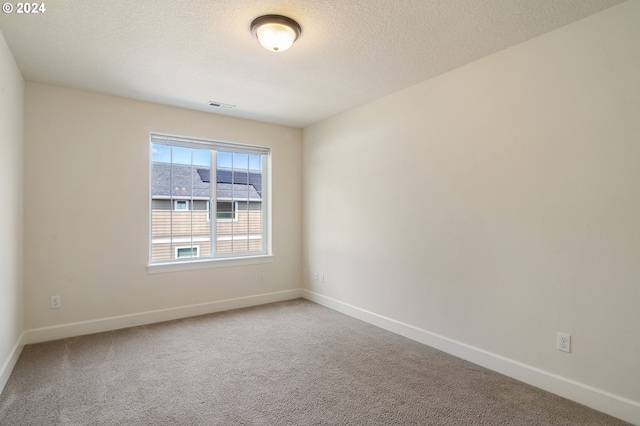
(233, 191)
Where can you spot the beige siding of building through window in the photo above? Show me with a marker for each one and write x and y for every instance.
(244, 234)
(180, 223)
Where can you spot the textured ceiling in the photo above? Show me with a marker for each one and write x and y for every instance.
(187, 53)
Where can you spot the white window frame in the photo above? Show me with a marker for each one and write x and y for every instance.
(232, 259)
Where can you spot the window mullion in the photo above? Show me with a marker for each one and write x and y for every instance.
(247, 207)
(191, 210)
(263, 210)
(171, 251)
(213, 204)
(233, 199)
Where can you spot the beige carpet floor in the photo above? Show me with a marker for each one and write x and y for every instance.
(288, 363)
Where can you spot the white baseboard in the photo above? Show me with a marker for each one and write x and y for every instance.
(581, 393)
(44, 334)
(10, 362)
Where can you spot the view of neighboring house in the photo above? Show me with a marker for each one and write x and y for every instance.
(183, 205)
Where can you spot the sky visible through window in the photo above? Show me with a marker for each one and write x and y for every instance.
(201, 157)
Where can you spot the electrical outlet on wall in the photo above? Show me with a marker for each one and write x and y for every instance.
(563, 342)
(56, 302)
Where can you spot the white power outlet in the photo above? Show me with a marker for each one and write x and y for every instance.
(563, 342)
(56, 302)
(316, 275)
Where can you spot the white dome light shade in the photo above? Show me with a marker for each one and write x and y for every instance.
(274, 32)
(276, 37)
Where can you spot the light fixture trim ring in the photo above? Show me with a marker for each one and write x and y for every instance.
(275, 19)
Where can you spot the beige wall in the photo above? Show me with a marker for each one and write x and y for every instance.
(11, 163)
(87, 207)
(497, 204)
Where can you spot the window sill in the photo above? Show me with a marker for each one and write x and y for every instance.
(193, 265)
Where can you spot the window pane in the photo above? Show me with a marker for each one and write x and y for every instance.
(241, 161)
(255, 226)
(224, 159)
(162, 205)
(160, 153)
(202, 157)
(180, 155)
(239, 227)
(255, 162)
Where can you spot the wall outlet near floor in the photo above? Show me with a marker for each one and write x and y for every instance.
(563, 342)
(316, 276)
(56, 302)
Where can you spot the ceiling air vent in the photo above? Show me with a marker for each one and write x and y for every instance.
(220, 105)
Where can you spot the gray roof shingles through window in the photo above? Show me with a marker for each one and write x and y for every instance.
(197, 178)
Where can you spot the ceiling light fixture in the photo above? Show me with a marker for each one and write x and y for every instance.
(275, 32)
